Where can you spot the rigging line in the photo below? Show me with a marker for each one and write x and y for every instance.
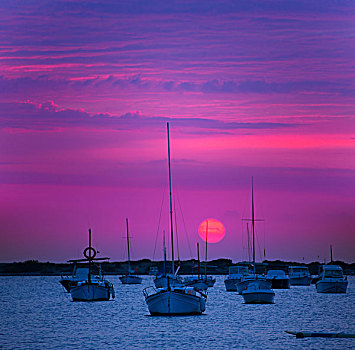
(183, 221)
(156, 236)
(264, 240)
(176, 229)
(260, 254)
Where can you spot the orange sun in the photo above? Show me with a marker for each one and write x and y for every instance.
(215, 230)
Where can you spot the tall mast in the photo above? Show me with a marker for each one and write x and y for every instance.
(198, 260)
(248, 242)
(253, 217)
(331, 253)
(89, 277)
(171, 206)
(129, 258)
(206, 249)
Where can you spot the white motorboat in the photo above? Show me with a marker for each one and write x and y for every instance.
(174, 300)
(299, 276)
(129, 278)
(278, 279)
(92, 287)
(331, 280)
(257, 292)
(235, 276)
(252, 277)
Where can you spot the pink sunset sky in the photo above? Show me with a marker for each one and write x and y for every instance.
(250, 88)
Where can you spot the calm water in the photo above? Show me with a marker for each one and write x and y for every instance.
(37, 314)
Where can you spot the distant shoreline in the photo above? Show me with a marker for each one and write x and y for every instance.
(142, 267)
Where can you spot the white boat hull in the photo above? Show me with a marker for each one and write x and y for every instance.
(90, 292)
(130, 279)
(175, 303)
(331, 286)
(258, 297)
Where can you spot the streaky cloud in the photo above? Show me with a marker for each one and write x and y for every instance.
(48, 115)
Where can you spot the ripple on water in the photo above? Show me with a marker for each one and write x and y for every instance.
(37, 314)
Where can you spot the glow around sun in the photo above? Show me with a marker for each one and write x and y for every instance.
(215, 230)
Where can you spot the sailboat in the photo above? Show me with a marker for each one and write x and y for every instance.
(236, 273)
(254, 288)
(129, 278)
(161, 281)
(198, 282)
(173, 299)
(91, 287)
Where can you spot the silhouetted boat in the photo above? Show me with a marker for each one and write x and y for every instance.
(172, 299)
(129, 278)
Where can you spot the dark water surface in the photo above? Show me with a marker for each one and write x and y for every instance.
(37, 314)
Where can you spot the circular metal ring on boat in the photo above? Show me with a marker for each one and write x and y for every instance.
(92, 253)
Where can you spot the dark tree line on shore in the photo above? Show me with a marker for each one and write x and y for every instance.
(187, 267)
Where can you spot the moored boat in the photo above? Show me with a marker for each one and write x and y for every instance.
(129, 278)
(235, 276)
(253, 287)
(258, 292)
(299, 276)
(92, 287)
(172, 299)
(331, 280)
(278, 279)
